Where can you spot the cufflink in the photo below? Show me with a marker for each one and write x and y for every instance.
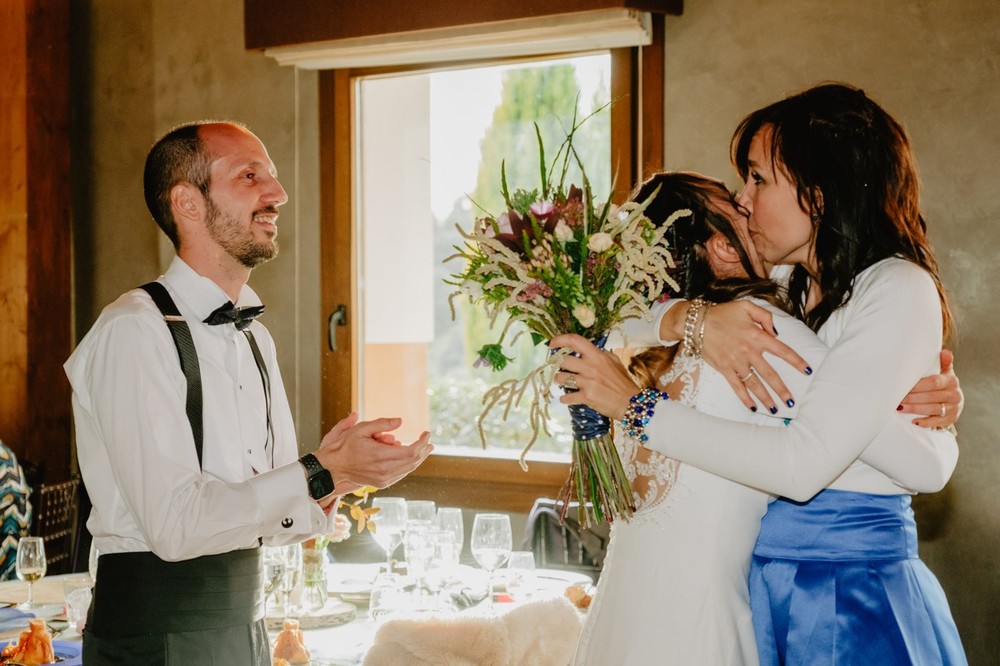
(287, 522)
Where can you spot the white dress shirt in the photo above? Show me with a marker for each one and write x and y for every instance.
(135, 444)
(844, 431)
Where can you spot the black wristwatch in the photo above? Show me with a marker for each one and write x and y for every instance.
(318, 478)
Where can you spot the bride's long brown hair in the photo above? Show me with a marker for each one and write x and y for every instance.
(687, 238)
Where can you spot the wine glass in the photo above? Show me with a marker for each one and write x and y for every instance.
(443, 560)
(450, 518)
(291, 567)
(520, 574)
(390, 523)
(491, 545)
(419, 555)
(420, 513)
(274, 570)
(30, 564)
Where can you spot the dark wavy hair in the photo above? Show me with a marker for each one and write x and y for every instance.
(853, 169)
(687, 238)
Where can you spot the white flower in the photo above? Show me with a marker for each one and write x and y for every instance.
(471, 287)
(541, 209)
(563, 232)
(503, 224)
(584, 315)
(600, 242)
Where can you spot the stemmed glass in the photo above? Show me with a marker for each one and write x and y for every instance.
(449, 518)
(390, 523)
(419, 555)
(491, 545)
(30, 564)
(290, 557)
(274, 570)
(420, 513)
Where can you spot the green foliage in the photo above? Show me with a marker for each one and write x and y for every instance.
(535, 103)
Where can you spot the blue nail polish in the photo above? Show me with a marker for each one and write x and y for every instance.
(753, 408)
(774, 410)
(790, 402)
(809, 370)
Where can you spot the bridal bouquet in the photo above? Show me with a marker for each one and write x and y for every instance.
(559, 262)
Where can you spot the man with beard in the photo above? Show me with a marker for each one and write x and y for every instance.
(185, 437)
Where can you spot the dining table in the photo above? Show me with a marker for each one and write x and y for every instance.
(342, 632)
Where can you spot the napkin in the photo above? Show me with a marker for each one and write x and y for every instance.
(12, 619)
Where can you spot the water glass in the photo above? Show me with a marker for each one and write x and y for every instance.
(77, 594)
(30, 565)
(450, 518)
(520, 574)
(386, 596)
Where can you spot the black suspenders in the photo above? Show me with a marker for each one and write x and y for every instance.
(192, 372)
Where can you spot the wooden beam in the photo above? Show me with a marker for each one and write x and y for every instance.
(304, 21)
(35, 264)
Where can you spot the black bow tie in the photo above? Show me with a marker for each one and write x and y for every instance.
(230, 314)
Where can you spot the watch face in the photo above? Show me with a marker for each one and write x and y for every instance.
(320, 486)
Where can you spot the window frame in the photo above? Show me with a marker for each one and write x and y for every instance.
(496, 481)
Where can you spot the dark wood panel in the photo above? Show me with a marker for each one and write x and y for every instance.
(304, 21)
(49, 235)
(35, 280)
(13, 225)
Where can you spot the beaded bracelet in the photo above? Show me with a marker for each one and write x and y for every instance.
(640, 410)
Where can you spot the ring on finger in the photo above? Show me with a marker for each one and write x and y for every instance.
(749, 375)
(944, 410)
(570, 382)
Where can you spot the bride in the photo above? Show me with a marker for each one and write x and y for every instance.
(674, 585)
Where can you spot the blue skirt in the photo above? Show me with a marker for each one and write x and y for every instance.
(836, 581)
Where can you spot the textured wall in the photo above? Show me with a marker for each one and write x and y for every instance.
(936, 67)
(144, 66)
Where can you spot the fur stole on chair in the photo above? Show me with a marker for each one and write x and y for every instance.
(541, 633)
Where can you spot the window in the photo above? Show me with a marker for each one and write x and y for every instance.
(382, 165)
(430, 147)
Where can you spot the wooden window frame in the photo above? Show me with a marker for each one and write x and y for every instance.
(485, 482)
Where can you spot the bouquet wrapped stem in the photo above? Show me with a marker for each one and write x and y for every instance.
(597, 479)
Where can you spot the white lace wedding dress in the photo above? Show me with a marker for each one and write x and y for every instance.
(673, 590)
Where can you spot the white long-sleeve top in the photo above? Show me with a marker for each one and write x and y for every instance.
(135, 444)
(846, 433)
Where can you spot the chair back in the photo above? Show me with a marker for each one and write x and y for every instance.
(56, 520)
(565, 545)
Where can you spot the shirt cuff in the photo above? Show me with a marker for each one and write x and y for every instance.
(286, 508)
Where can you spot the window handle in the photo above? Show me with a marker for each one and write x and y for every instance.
(337, 318)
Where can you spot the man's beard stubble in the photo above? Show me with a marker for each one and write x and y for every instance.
(237, 240)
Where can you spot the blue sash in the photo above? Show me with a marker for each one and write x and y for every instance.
(837, 581)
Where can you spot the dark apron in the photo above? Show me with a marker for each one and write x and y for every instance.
(209, 610)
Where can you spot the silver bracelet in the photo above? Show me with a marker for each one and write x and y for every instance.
(694, 326)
